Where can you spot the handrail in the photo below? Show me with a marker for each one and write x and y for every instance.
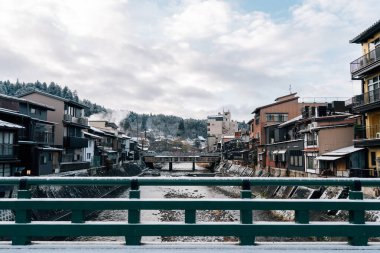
(365, 60)
(23, 230)
(186, 181)
(180, 204)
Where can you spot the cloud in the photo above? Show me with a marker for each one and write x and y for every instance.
(189, 58)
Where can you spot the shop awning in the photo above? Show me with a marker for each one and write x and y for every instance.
(280, 152)
(328, 158)
(275, 152)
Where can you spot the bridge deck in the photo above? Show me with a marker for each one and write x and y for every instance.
(102, 247)
(181, 158)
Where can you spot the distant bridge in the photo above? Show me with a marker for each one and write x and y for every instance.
(212, 159)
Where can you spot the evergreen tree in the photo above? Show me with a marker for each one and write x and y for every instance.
(181, 128)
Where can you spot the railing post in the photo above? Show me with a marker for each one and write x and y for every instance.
(190, 216)
(245, 214)
(22, 215)
(133, 214)
(357, 216)
(301, 216)
(77, 216)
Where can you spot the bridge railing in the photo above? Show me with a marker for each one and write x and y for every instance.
(23, 229)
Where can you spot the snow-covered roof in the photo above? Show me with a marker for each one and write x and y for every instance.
(290, 121)
(343, 151)
(50, 149)
(201, 138)
(9, 125)
(125, 136)
(328, 158)
(92, 135)
(96, 130)
(229, 137)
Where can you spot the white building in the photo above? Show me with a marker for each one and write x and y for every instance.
(218, 126)
(89, 152)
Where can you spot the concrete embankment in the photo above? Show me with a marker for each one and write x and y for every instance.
(228, 169)
(92, 191)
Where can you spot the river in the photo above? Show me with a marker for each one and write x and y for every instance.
(160, 192)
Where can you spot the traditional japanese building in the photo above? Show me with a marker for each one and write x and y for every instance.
(36, 151)
(366, 68)
(70, 123)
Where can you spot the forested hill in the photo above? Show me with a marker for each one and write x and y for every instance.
(165, 125)
(15, 89)
(160, 124)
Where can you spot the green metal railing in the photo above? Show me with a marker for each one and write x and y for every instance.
(23, 229)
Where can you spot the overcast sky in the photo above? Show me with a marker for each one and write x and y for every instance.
(188, 58)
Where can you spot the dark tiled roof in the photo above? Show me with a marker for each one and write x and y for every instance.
(273, 104)
(27, 101)
(55, 97)
(367, 33)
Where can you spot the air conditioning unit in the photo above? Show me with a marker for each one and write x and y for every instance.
(313, 124)
(378, 135)
(68, 117)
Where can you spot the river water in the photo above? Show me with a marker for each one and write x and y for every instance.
(161, 192)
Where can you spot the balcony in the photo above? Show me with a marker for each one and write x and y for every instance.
(79, 121)
(7, 151)
(46, 138)
(367, 101)
(75, 142)
(367, 136)
(366, 63)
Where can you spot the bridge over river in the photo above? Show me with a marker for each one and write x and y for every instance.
(211, 159)
(24, 231)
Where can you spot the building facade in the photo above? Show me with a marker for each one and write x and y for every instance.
(366, 68)
(218, 126)
(69, 128)
(36, 150)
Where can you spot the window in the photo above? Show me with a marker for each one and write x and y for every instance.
(311, 139)
(75, 112)
(300, 160)
(295, 158)
(6, 143)
(88, 155)
(5, 170)
(373, 158)
(277, 117)
(310, 162)
(257, 119)
(43, 159)
(373, 86)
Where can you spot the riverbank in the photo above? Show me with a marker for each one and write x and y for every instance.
(126, 170)
(229, 169)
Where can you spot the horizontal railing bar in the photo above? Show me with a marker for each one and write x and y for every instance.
(184, 181)
(198, 229)
(183, 204)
